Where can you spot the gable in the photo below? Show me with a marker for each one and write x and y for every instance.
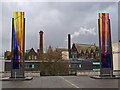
(31, 52)
(84, 47)
(74, 49)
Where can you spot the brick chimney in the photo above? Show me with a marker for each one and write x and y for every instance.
(41, 42)
(69, 45)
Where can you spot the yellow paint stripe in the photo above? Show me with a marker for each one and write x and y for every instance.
(18, 31)
(14, 15)
(19, 37)
(22, 28)
(101, 29)
(106, 19)
(22, 37)
(18, 16)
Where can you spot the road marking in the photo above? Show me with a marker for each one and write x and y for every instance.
(69, 82)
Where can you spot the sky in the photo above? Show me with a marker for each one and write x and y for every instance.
(57, 20)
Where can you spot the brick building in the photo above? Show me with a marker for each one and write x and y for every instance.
(85, 51)
(29, 55)
(7, 55)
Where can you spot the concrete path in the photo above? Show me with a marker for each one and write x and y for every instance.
(62, 82)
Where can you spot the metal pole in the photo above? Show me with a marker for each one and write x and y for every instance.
(111, 57)
(12, 48)
(24, 49)
(100, 47)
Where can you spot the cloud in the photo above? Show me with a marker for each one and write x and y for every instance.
(84, 31)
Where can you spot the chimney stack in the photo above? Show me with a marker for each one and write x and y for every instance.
(69, 45)
(41, 42)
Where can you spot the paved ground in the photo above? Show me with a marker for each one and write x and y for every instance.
(62, 82)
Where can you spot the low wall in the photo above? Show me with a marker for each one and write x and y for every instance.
(95, 73)
(32, 73)
(88, 73)
(27, 74)
(116, 72)
(37, 73)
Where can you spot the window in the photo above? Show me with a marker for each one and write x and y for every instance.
(96, 69)
(69, 65)
(79, 65)
(35, 57)
(29, 57)
(80, 51)
(33, 66)
(96, 63)
(73, 56)
(74, 65)
(26, 66)
(30, 66)
(32, 56)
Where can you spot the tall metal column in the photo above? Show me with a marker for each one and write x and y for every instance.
(18, 45)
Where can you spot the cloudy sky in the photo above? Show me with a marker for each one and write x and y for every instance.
(57, 20)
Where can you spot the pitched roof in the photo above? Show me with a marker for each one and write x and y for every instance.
(27, 51)
(84, 47)
(61, 49)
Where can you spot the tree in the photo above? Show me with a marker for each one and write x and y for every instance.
(53, 63)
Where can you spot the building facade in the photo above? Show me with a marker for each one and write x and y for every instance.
(65, 55)
(29, 55)
(7, 55)
(116, 56)
(83, 65)
(85, 51)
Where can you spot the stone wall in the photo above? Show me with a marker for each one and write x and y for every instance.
(95, 73)
(116, 72)
(88, 73)
(32, 73)
(27, 74)
(79, 73)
